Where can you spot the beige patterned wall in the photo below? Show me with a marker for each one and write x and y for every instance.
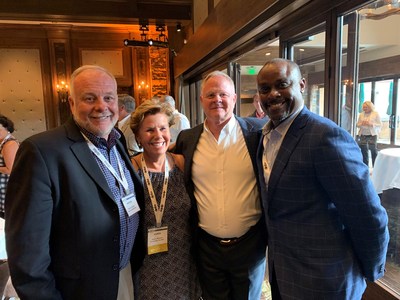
(109, 59)
(21, 91)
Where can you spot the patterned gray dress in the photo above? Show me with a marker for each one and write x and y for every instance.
(3, 177)
(169, 275)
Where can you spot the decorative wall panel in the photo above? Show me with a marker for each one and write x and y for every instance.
(109, 59)
(21, 91)
(159, 71)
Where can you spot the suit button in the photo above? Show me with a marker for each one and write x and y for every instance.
(115, 267)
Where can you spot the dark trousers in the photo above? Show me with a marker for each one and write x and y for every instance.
(275, 293)
(368, 142)
(232, 271)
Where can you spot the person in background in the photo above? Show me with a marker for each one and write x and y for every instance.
(181, 122)
(346, 119)
(327, 231)
(168, 271)
(258, 112)
(221, 179)
(126, 105)
(370, 124)
(73, 203)
(8, 148)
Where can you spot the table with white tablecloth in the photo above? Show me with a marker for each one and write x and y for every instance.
(386, 180)
(386, 173)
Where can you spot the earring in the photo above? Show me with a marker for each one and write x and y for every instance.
(139, 144)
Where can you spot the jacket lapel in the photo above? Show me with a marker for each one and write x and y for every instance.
(287, 148)
(85, 157)
(191, 147)
(251, 138)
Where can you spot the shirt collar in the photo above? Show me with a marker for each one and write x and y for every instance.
(228, 128)
(100, 142)
(283, 126)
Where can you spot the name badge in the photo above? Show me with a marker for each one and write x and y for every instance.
(130, 204)
(157, 240)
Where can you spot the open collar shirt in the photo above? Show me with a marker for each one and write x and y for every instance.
(225, 183)
(272, 141)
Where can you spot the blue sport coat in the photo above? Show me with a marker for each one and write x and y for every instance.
(327, 230)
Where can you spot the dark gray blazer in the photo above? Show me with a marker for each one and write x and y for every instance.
(62, 226)
(327, 230)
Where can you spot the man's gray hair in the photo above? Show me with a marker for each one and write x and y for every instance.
(215, 74)
(170, 100)
(127, 101)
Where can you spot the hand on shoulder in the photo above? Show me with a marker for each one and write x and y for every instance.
(179, 161)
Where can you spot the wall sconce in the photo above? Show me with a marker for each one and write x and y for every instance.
(142, 85)
(62, 90)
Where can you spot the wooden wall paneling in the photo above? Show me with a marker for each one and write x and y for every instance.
(60, 64)
(61, 72)
(159, 66)
(141, 71)
(50, 110)
(100, 11)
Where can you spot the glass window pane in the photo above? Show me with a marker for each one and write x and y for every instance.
(250, 65)
(379, 48)
(396, 117)
(382, 97)
(309, 54)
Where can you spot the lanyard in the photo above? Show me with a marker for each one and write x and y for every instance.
(158, 209)
(121, 179)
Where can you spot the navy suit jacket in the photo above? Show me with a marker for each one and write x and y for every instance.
(186, 144)
(327, 230)
(62, 226)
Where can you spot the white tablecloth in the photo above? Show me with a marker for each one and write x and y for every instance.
(386, 173)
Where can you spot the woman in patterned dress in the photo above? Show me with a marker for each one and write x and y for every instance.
(168, 270)
(8, 149)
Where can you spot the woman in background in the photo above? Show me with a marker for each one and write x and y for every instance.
(8, 148)
(168, 270)
(370, 124)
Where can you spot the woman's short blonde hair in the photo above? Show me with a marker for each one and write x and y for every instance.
(150, 107)
(370, 105)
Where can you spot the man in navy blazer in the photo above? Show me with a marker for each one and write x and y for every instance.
(222, 182)
(327, 230)
(70, 231)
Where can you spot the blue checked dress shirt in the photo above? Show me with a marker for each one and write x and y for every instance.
(128, 225)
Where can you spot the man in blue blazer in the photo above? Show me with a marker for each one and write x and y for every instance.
(327, 230)
(71, 203)
(222, 182)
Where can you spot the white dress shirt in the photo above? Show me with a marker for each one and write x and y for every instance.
(225, 184)
(131, 144)
(181, 122)
(272, 141)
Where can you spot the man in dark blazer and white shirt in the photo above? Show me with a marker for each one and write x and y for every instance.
(327, 230)
(72, 203)
(220, 171)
